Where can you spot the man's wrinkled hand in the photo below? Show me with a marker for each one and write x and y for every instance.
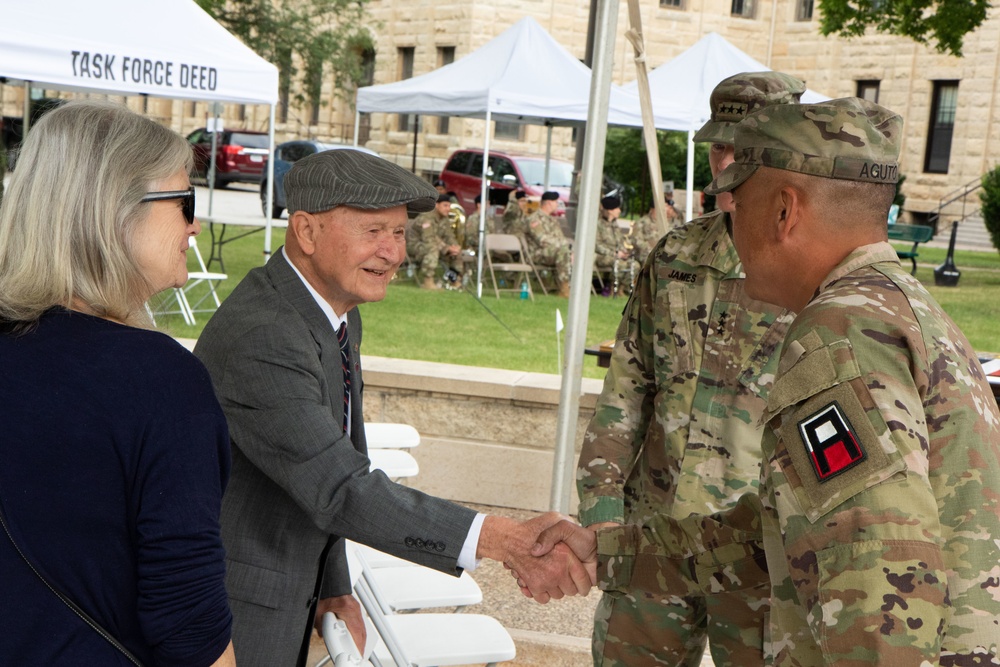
(552, 576)
(347, 609)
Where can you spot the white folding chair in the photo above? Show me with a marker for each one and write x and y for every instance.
(180, 295)
(395, 463)
(428, 640)
(384, 435)
(339, 643)
(511, 246)
(407, 586)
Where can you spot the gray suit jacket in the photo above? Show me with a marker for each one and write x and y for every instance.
(298, 482)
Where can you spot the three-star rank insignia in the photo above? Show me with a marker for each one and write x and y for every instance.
(831, 442)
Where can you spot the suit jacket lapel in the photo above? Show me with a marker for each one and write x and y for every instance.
(290, 286)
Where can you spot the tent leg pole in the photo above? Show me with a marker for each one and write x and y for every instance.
(416, 125)
(270, 187)
(26, 119)
(689, 204)
(483, 191)
(564, 461)
(357, 126)
(548, 156)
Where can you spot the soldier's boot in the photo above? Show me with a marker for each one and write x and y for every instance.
(564, 289)
(429, 283)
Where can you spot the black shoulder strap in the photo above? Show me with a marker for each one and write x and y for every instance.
(69, 603)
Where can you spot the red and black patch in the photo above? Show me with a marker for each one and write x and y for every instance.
(831, 442)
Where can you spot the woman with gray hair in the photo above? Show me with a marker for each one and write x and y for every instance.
(115, 451)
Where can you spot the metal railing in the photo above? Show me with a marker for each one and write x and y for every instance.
(959, 194)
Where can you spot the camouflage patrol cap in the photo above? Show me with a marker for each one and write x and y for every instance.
(847, 139)
(742, 94)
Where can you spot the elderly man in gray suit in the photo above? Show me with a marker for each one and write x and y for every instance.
(283, 353)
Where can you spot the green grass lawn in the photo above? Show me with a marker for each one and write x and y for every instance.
(453, 327)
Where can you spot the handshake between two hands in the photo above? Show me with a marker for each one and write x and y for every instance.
(550, 556)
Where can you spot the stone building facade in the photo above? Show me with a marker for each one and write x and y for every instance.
(951, 105)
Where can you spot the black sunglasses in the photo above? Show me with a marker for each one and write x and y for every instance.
(186, 197)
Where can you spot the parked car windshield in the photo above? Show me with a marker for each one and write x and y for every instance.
(248, 140)
(533, 170)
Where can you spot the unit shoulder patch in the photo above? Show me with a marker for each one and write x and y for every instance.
(831, 442)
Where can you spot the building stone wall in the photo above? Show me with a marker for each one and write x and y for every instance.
(830, 65)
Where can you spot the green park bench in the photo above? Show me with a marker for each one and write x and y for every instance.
(916, 233)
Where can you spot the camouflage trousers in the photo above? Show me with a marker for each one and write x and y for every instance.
(673, 606)
(428, 259)
(558, 255)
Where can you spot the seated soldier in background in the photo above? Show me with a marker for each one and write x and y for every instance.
(547, 243)
(432, 239)
(472, 225)
(611, 256)
(515, 213)
(646, 231)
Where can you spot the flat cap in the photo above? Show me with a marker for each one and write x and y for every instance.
(847, 139)
(611, 202)
(550, 195)
(346, 177)
(743, 94)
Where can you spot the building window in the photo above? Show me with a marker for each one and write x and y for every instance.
(367, 67)
(868, 90)
(406, 122)
(676, 4)
(743, 8)
(505, 130)
(942, 124)
(803, 10)
(446, 56)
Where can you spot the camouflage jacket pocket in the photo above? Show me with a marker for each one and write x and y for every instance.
(672, 340)
(832, 441)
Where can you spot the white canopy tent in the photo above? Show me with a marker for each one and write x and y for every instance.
(682, 88)
(162, 48)
(523, 75)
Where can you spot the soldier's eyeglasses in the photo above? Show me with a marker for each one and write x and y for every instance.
(186, 197)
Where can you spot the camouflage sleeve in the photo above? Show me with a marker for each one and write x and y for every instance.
(604, 245)
(615, 434)
(857, 515)
(446, 233)
(717, 552)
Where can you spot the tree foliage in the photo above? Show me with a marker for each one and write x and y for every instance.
(315, 36)
(943, 23)
(990, 210)
(625, 162)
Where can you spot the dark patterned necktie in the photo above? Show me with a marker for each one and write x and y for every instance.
(345, 361)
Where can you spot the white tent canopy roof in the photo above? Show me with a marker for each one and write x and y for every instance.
(164, 48)
(681, 88)
(522, 75)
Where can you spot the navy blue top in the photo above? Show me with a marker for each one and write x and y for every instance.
(114, 454)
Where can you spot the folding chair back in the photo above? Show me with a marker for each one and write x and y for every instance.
(510, 246)
(428, 640)
(183, 296)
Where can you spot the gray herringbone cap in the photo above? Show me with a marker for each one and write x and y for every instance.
(351, 178)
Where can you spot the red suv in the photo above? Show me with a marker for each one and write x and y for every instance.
(240, 155)
(463, 175)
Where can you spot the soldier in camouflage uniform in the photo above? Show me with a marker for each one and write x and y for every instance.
(675, 430)
(546, 242)
(881, 478)
(517, 204)
(472, 225)
(646, 231)
(431, 239)
(611, 256)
